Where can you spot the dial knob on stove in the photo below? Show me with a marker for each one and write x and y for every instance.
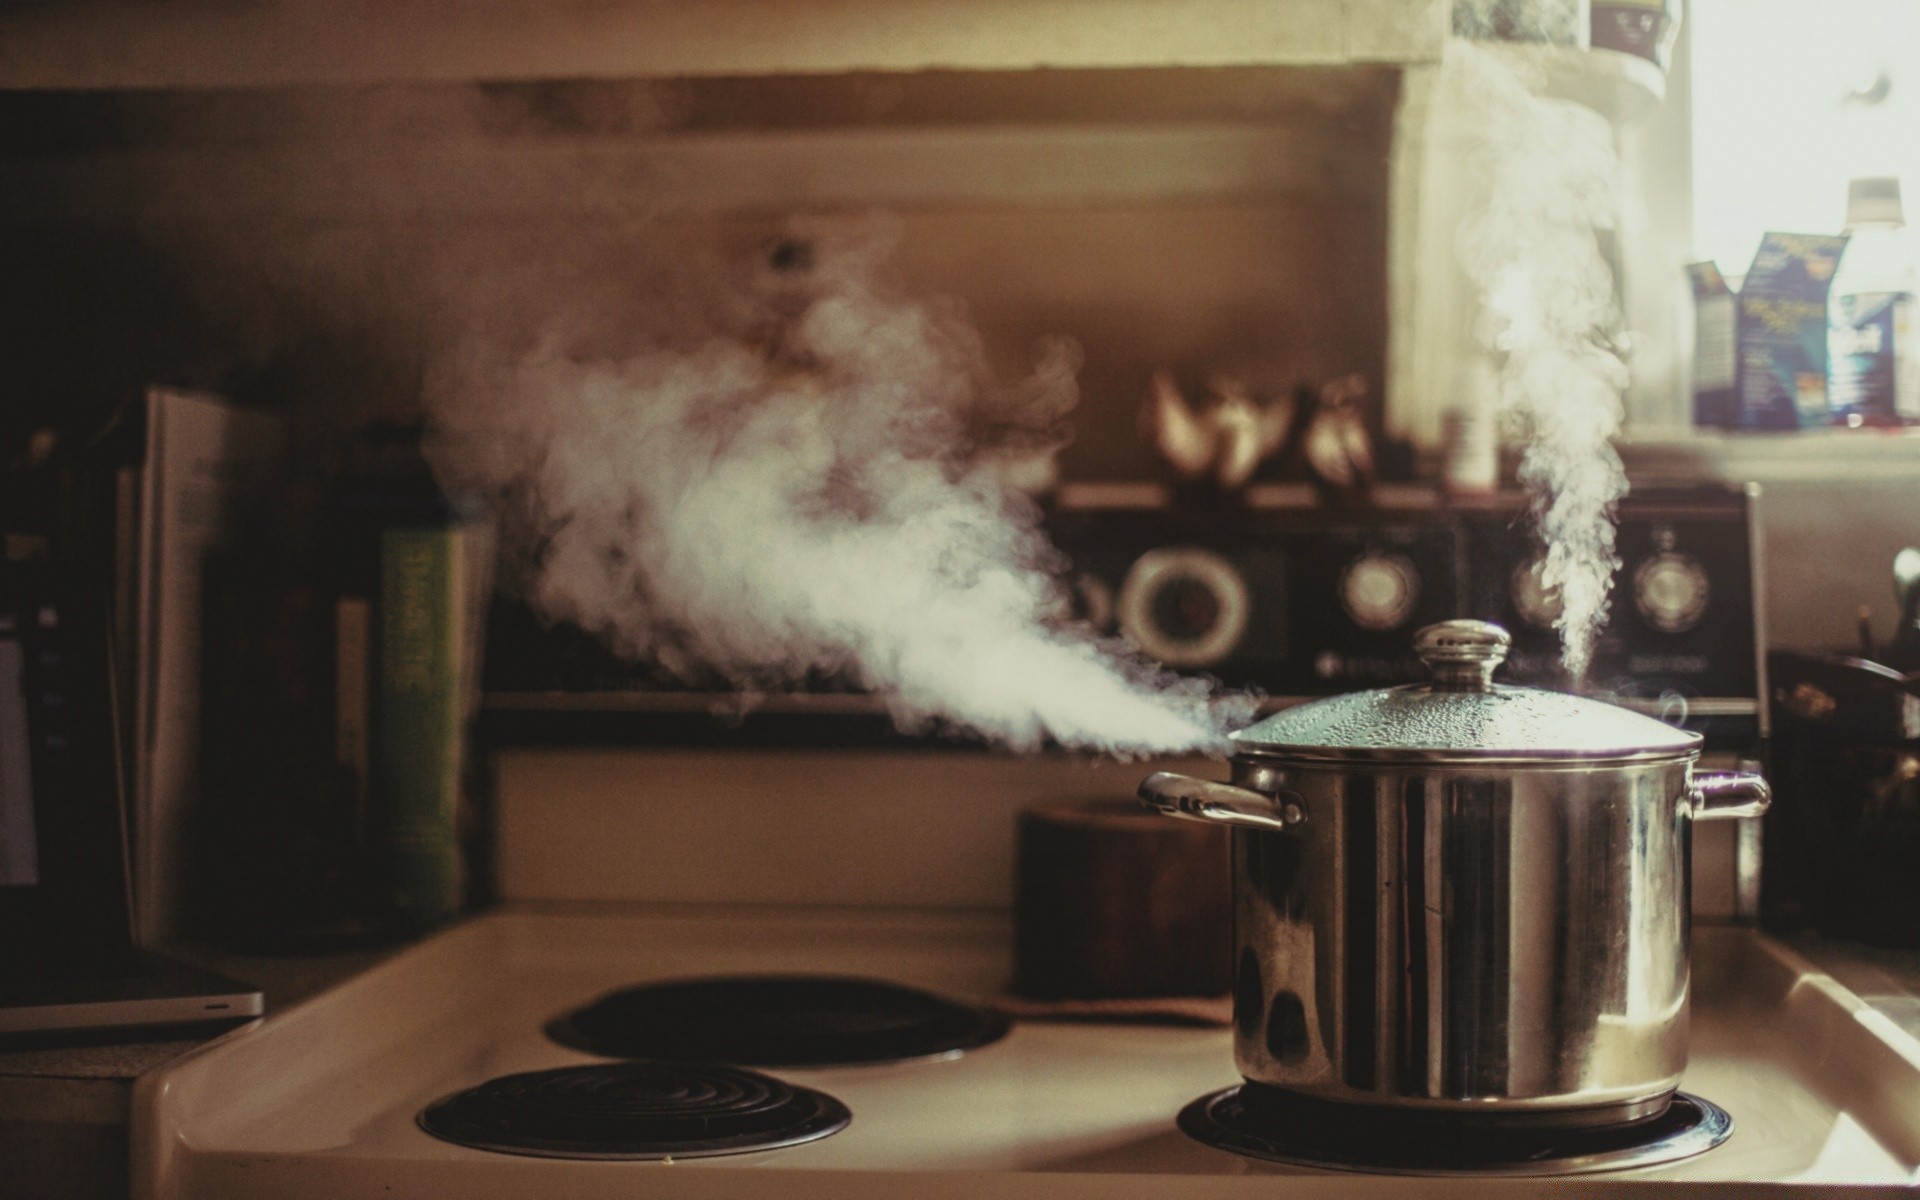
(1185, 606)
(1671, 591)
(1536, 603)
(1379, 590)
(1092, 601)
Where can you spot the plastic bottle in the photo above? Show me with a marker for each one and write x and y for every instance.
(1873, 361)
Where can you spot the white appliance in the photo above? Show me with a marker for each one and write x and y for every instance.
(321, 1101)
(627, 867)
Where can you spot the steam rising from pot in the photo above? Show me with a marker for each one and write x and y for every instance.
(1547, 180)
(817, 494)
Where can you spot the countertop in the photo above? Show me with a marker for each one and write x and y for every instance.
(1889, 980)
(30, 1072)
(65, 1102)
(64, 1105)
(285, 980)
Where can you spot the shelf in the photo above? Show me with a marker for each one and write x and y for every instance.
(1804, 456)
(103, 44)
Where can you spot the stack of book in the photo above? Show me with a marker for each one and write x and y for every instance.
(279, 723)
(411, 572)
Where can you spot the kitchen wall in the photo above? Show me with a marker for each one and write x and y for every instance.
(317, 248)
(314, 247)
(830, 828)
(833, 827)
(1835, 508)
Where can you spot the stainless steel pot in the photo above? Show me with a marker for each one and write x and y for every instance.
(1462, 895)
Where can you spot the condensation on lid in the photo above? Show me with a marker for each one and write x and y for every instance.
(1427, 722)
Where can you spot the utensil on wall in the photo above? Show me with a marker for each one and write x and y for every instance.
(1335, 444)
(1225, 442)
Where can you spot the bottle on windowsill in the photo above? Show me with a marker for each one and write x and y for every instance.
(1872, 354)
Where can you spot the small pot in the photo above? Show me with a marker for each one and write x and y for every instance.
(1463, 896)
(1112, 903)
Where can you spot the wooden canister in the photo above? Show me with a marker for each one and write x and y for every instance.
(1117, 902)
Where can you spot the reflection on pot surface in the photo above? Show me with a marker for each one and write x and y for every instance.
(1443, 940)
(1463, 895)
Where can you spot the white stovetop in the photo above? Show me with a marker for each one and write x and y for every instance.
(319, 1101)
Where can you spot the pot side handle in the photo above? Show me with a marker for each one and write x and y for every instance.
(1714, 795)
(1204, 800)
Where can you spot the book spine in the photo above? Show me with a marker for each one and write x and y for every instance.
(353, 704)
(127, 484)
(420, 748)
(19, 846)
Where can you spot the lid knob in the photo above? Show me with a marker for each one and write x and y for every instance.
(1462, 654)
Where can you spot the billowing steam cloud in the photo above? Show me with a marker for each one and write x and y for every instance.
(1548, 180)
(817, 495)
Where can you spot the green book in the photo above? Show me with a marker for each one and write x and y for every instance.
(419, 748)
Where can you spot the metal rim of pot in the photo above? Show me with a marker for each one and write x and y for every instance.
(1462, 655)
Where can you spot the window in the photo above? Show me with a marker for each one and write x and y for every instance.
(1783, 115)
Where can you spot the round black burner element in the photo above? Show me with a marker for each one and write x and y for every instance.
(777, 1021)
(1268, 1123)
(634, 1111)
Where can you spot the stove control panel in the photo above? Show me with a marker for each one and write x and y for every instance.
(1302, 601)
(1184, 606)
(1671, 590)
(1285, 596)
(1294, 601)
(1378, 590)
(1535, 601)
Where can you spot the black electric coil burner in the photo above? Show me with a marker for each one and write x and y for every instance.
(1268, 1123)
(634, 1111)
(777, 1021)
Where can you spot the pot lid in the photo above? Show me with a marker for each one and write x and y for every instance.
(1462, 714)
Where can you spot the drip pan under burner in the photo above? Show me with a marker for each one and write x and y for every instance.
(634, 1111)
(1271, 1124)
(777, 1021)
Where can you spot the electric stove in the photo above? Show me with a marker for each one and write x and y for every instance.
(354, 1093)
(1277, 1126)
(633, 1110)
(778, 1021)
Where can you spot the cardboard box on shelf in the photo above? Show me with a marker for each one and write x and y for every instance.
(1782, 366)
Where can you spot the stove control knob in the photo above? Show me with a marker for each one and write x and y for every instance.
(1184, 606)
(1091, 600)
(1379, 590)
(1536, 603)
(1671, 591)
